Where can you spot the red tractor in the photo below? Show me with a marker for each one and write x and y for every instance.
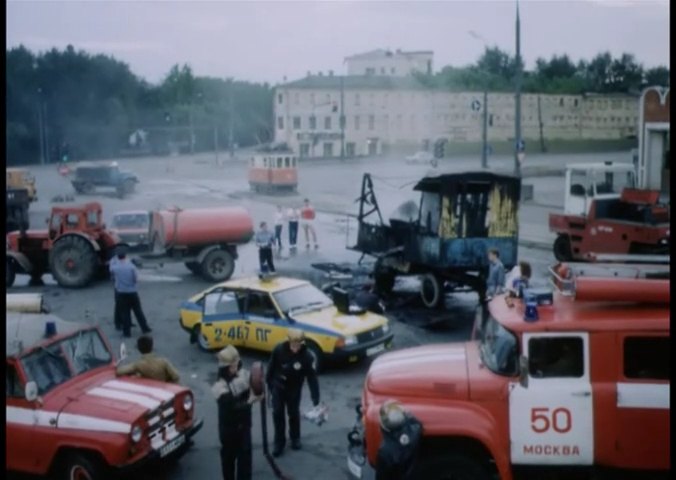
(605, 214)
(75, 247)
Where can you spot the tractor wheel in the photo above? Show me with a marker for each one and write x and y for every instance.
(562, 251)
(73, 261)
(218, 266)
(10, 273)
(431, 290)
(194, 267)
(82, 467)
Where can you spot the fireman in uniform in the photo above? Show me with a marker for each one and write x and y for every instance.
(150, 365)
(401, 433)
(234, 396)
(289, 365)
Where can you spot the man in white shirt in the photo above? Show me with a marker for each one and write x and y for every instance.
(279, 223)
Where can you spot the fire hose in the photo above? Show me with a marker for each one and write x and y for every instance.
(258, 388)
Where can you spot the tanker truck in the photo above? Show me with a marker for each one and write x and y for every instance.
(205, 239)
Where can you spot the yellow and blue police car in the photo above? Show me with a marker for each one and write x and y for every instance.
(256, 313)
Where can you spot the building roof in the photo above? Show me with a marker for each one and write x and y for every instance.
(380, 53)
(26, 330)
(375, 82)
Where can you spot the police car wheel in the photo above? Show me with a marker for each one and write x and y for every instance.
(82, 467)
(451, 466)
(317, 356)
(202, 340)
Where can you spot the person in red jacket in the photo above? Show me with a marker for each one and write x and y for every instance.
(307, 218)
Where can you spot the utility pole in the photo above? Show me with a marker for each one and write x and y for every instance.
(543, 148)
(231, 145)
(46, 130)
(342, 119)
(41, 128)
(192, 131)
(484, 132)
(517, 114)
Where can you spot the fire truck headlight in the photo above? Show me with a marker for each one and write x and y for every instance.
(187, 403)
(136, 433)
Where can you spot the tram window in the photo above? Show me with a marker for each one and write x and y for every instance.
(287, 162)
(279, 162)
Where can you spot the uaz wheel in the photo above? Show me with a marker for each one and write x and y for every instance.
(82, 467)
(73, 261)
(562, 251)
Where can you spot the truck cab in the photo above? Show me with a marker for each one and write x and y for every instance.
(588, 181)
(578, 377)
(69, 416)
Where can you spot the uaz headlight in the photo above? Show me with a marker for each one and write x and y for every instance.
(136, 433)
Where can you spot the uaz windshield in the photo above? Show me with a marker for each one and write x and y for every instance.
(56, 363)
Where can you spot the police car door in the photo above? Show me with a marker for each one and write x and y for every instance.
(221, 319)
(261, 321)
(551, 418)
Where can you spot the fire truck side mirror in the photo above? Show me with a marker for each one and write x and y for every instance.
(523, 371)
(31, 392)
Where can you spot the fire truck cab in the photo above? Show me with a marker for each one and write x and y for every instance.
(575, 377)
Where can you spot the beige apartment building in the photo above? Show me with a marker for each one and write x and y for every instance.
(388, 113)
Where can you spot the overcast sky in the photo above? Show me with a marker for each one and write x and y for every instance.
(266, 41)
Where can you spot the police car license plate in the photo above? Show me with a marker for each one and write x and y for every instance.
(171, 446)
(374, 350)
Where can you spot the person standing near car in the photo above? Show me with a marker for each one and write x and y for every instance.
(293, 214)
(279, 225)
(290, 364)
(150, 365)
(307, 216)
(264, 242)
(125, 277)
(233, 394)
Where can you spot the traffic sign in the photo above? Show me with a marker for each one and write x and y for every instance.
(520, 146)
(476, 105)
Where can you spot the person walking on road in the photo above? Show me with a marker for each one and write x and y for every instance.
(293, 214)
(279, 224)
(496, 274)
(125, 277)
(150, 365)
(234, 398)
(264, 242)
(290, 364)
(307, 216)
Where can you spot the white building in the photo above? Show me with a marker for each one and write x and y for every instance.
(393, 64)
(390, 113)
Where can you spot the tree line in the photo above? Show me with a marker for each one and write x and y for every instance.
(83, 106)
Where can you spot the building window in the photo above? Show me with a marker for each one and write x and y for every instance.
(328, 149)
(304, 150)
(327, 123)
(296, 123)
(280, 123)
(350, 149)
(328, 98)
(647, 357)
(356, 122)
(313, 122)
(561, 102)
(279, 98)
(555, 357)
(370, 71)
(312, 98)
(356, 99)
(372, 98)
(372, 122)
(575, 102)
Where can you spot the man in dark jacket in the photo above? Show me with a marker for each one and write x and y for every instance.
(289, 365)
(398, 451)
(234, 397)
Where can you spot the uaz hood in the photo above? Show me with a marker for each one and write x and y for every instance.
(428, 371)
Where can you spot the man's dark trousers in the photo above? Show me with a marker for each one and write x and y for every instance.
(293, 233)
(286, 399)
(236, 454)
(265, 256)
(131, 302)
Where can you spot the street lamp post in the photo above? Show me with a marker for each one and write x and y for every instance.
(342, 119)
(484, 122)
(41, 128)
(518, 143)
(231, 115)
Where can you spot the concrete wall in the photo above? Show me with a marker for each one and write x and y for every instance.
(406, 119)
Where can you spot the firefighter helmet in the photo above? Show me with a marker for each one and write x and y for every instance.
(228, 356)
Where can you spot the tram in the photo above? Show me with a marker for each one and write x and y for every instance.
(273, 169)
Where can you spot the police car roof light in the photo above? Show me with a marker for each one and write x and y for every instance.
(530, 314)
(50, 329)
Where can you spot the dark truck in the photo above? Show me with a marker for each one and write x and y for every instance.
(18, 200)
(445, 239)
(88, 177)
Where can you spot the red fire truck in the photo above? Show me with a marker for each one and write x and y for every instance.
(578, 377)
(69, 417)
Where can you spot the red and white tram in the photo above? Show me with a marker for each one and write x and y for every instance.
(273, 171)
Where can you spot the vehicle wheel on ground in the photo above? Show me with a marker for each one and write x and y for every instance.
(10, 273)
(451, 466)
(73, 261)
(431, 290)
(194, 267)
(200, 339)
(82, 467)
(562, 251)
(218, 266)
(129, 186)
(317, 355)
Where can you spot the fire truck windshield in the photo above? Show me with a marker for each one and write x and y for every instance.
(56, 363)
(498, 348)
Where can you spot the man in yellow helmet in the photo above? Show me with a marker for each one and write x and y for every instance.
(234, 396)
(289, 365)
(401, 432)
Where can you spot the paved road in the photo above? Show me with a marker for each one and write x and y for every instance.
(332, 186)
